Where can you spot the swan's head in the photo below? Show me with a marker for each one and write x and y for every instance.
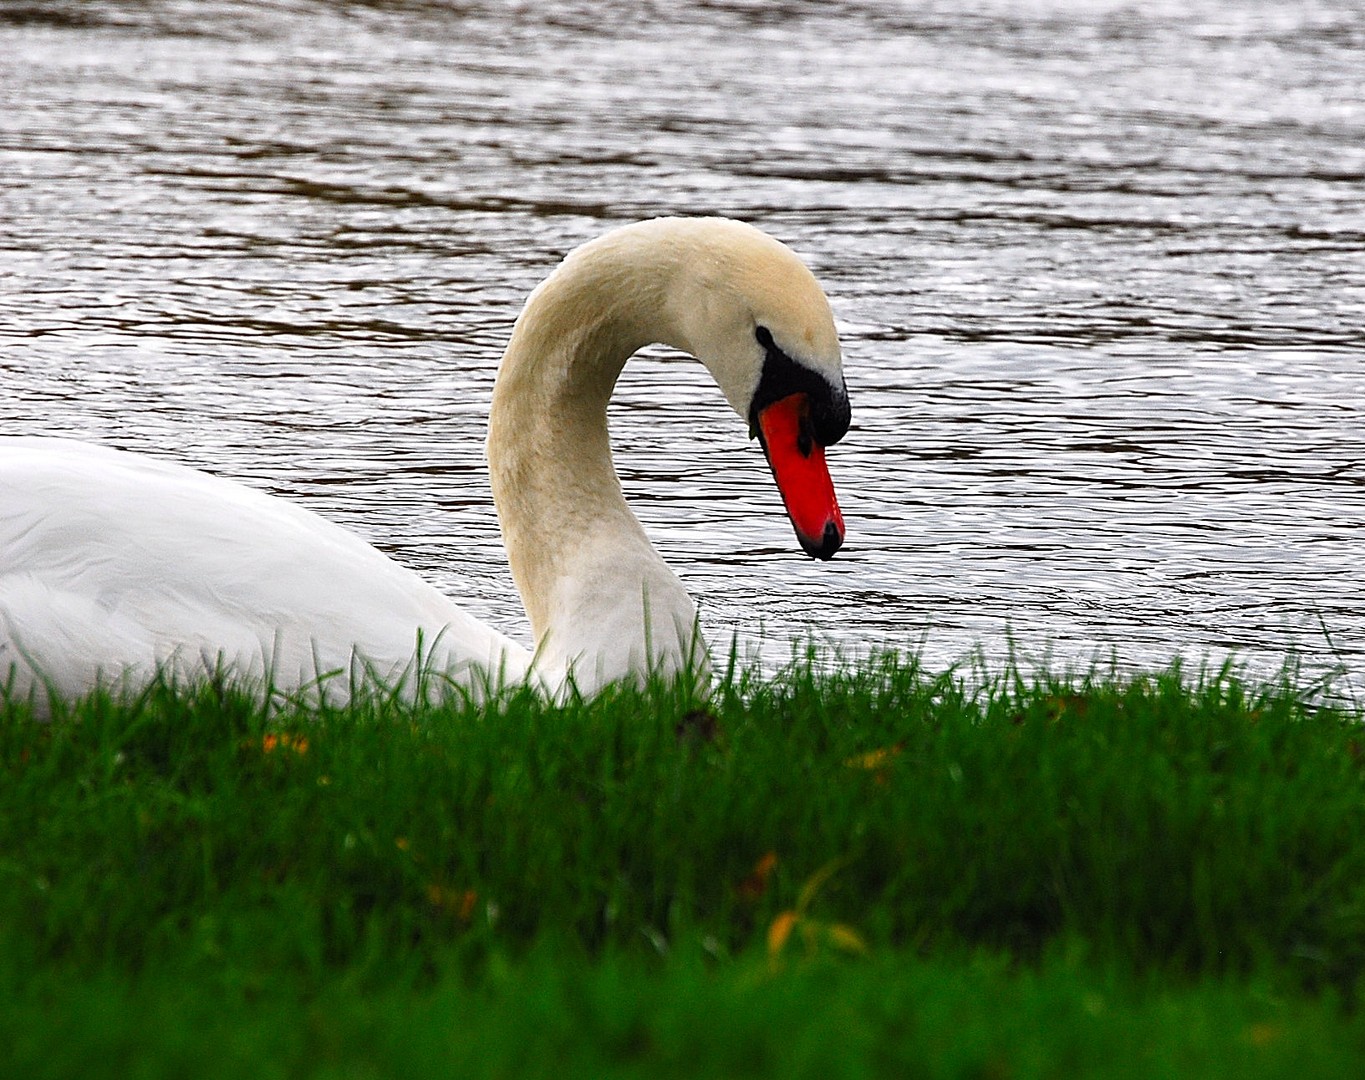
(750, 310)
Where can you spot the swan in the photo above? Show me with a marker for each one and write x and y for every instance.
(114, 565)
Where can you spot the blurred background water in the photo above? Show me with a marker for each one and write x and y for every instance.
(1099, 269)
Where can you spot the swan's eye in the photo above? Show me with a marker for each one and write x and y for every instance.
(765, 337)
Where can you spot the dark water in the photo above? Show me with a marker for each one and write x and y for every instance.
(1099, 269)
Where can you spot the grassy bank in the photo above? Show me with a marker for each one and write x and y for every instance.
(875, 873)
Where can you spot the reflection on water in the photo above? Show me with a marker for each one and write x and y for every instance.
(1098, 271)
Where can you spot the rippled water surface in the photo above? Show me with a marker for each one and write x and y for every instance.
(1099, 270)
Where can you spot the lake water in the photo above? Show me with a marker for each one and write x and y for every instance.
(1099, 269)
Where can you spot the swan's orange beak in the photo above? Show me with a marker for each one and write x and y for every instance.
(798, 464)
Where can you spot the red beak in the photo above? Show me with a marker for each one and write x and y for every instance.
(798, 465)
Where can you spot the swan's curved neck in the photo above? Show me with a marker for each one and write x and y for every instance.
(581, 560)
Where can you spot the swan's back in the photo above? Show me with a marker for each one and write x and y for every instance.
(112, 563)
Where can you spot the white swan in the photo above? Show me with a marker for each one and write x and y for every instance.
(113, 564)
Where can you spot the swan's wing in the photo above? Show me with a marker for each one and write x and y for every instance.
(111, 562)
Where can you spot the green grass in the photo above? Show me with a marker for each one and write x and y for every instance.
(881, 871)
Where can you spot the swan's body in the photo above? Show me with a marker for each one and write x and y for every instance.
(112, 564)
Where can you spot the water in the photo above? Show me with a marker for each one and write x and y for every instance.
(1097, 266)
